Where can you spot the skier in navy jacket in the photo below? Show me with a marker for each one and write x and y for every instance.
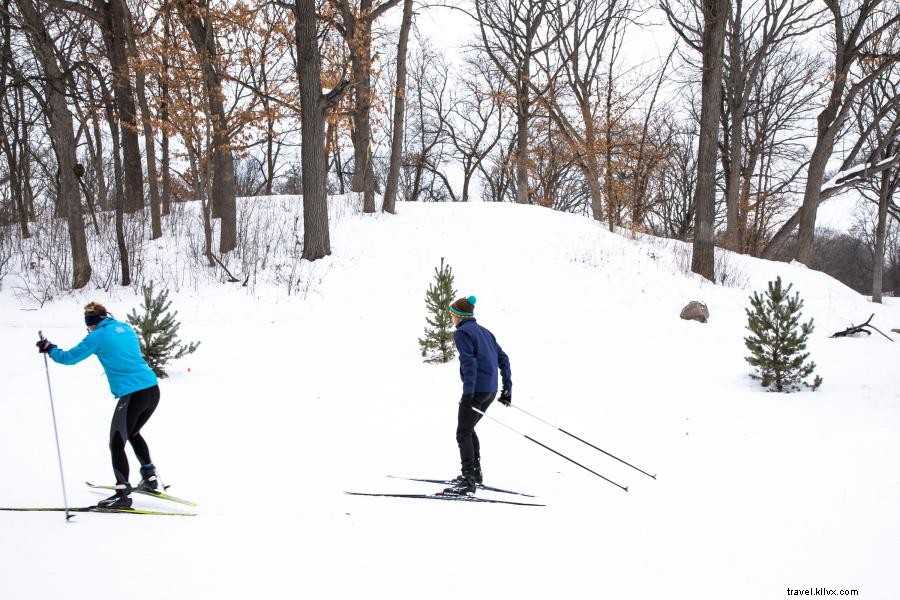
(480, 357)
(130, 380)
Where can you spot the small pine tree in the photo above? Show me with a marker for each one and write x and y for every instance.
(777, 346)
(437, 345)
(158, 331)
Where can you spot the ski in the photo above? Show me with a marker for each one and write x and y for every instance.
(98, 509)
(480, 486)
(160, 495)
(441, 496)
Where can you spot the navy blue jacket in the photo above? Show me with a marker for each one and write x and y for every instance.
(479, 358)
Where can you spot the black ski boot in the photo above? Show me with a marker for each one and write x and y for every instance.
(479, 479)
(149, 482)
(463, 485)
(121, 499)
(476, 476)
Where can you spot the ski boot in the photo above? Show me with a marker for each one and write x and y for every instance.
(462, 485)
(149, 481)
(121, 499)
(476, 475)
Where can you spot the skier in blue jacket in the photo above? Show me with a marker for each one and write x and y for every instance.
(480, 356)
(134, 383)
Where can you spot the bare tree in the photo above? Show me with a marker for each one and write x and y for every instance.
(513, 34)
(712, 41)
(861, 32)
(314, 104)
(60, 120)
(356, 28)
(195, 15)
(14, 123)
(132, 31)
(113, 21)
(588, 33)
(880, 103)
(428, 114)
(390, 193)
(481, 117)
(671, 213)
(756, 29)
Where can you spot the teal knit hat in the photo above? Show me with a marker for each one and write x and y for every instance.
(464, 307)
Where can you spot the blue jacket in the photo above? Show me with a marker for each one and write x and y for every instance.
(479, 358)
(117, 346)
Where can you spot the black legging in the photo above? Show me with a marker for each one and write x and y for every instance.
(131, 414)
(469, 448)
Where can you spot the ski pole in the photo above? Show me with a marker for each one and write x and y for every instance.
(582, 441)
(56, 433)
(546, 447)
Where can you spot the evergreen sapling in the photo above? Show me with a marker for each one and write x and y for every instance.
(157, 330)
(437, 344)
(778, 341)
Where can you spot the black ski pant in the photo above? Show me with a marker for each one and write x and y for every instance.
(131, 414)
(469, 448)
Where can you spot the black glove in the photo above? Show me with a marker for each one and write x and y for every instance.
(467, 399)
(45, 346)
(505, 397)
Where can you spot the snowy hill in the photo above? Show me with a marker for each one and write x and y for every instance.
(293, 400)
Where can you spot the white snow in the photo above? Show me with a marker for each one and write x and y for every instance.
(290, 401)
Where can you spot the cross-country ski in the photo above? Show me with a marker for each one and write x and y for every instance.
(101, 509)
(152, 494)
(443, 496)
(479, 486)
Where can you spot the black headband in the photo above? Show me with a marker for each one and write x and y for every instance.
(91, 320)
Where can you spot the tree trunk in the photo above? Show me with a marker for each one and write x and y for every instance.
(523, 111)
(612, 207)
(25, 159)
(166, 198)
(62, 137)
(224, 204)
(12, 147)
(165, 165)
(884, 200)
(316, 239)
(390, 192)
(589, 165)
(118, 178)
(363, 170)
(120, 241)
(732, 186)
(715, 13)
(331, 134)
(113, 26)
(97, 154)
(149, 136)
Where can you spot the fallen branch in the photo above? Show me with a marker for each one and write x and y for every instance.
(860, 329)
(232, 278)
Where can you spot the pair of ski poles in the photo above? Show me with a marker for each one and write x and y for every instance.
(572, 435)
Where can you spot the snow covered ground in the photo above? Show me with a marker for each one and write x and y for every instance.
(291, 401)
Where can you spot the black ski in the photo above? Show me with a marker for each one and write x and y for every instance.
(487, 488)
(98, 509)
(448, 497)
